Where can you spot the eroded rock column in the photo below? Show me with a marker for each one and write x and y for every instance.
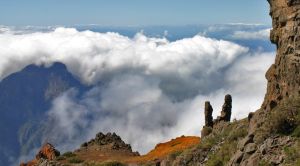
(226, 109)
(208, 110)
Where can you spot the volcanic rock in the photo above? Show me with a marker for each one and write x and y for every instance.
(47, 152)
(208, 110)
(226, 109)
(284, 75)
(112, 140)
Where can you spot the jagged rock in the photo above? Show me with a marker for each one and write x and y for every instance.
(226, 109)
(250, 116)
(46, 153)
(253, 160)
(208, 110)
(206, 131)
(284, 75)
(211, 123)
(44, 162)
(263, 149)
(237, 158)
(250, 148)
(271, 151)
(248, 139)
(111, 139)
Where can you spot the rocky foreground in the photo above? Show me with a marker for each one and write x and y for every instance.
(110, 149)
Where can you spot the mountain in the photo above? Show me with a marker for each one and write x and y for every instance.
(25, 98)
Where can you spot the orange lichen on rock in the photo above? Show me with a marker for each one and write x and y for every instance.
(164, 149)
(47, 152)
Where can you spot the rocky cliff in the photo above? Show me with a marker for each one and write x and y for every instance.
(284, 75)
(270, 135)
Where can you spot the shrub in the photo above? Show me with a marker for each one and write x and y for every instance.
(237, 133)
(264, 163)
(60, 158)
(293, 154)
(174, 155)
(75, 160)
(206, 131)
(69, 154)
(284, 119)
(112, 163)
(223, 154)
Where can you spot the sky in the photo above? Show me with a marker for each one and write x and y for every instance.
(132, 12)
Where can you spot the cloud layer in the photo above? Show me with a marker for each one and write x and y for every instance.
(254, 35)
(146, 89)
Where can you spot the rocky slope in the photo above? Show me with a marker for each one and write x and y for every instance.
(110, 149)
(271, 134)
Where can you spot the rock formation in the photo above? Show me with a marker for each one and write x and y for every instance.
(226, 109)
(284, 75)
(225, 115)
(283, 85)
(47, 152)
(208, 110)
(111, 140)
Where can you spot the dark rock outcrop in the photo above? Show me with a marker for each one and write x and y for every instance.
(226, 109)
(210, 122)
(112, 140)
(208, 110)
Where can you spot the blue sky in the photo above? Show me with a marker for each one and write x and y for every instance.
(132, 12)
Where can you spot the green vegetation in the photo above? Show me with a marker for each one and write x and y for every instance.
(111, 163)
(223, 139)
(293, 154)
(283, 120)
(227, 139)
(75, 160)
(60, 158)
(174, 155)
(223, 155)
(206, 131)
(69, 154)
(264, 163)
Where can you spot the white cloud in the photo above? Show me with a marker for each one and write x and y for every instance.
(254, 35)
(153, 89)
(135, 107)
(91, 55)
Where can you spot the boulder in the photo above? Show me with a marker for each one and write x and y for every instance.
(250, 148)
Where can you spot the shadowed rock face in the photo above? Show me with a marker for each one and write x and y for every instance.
(284, 75)
(208, 110)
(226, 109)
(112, 139)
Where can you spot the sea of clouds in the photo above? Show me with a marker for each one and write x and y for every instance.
(147, 90)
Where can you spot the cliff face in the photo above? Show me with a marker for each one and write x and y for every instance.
(284, 75)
